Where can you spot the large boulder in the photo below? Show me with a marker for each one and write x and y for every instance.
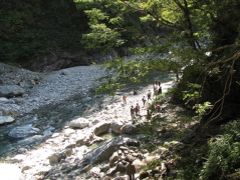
(6, 119)
(10, 172)
(4, 100)
(79, 123)
(116, 127)
(10, 91)
(128, 129)
(113, 159)
(102, 128)
(23, 131)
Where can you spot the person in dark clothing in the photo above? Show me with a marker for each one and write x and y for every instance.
(144, 100)
(132, 112)
(148, 113)
(134, 92)
(137, 110)
(160, 90)
(149, 95)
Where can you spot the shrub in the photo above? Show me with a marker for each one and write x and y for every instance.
(224, 154)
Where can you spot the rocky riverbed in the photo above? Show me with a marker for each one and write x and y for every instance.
(74, 131)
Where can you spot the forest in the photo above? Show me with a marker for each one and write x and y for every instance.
(196, 41)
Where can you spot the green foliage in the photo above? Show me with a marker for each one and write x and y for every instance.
(109, 88)
(192, 94)
(31, 29)
(224, 154)
(201, 109)
(102, 37)
(131, 72)
(95, 15)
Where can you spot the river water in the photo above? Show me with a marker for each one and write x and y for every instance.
(49, 119)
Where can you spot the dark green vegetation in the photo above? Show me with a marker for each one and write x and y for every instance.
(193, 38)
(31, 29)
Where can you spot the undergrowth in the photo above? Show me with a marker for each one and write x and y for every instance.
(223, 160)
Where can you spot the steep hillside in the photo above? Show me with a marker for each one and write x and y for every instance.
(30, 29)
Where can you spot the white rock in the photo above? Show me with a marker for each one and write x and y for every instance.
(102, 128)
(11, 91)
(67, 132)
(116, 127)
(138, 164)
(6, 119)
(4, 100)
(79, 123)
(113, 158)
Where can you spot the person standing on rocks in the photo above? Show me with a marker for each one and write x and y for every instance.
(149, 95)
(148, 113)
(137, 110)
(124, 99)
(155, 88)
(160, 90)
(158, 108)
(144, 101)
(134, 92)
(132, 112)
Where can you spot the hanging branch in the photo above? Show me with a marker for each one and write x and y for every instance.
(218, 105)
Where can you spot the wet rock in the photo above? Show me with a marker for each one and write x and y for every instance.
(79, 123)
(23, 131)
(10, 91)
(128, 129)
(133, 142)
(10, 172)
(6, 119)
(102, 128)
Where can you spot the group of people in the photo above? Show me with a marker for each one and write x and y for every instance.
(135, 110)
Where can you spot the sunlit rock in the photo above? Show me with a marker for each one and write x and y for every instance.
(6, 119)
(11, 91)
(102, 128)
(79, 123)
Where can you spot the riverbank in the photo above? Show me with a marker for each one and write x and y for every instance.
(70, 144)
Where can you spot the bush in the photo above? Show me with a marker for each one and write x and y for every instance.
(224, 154)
